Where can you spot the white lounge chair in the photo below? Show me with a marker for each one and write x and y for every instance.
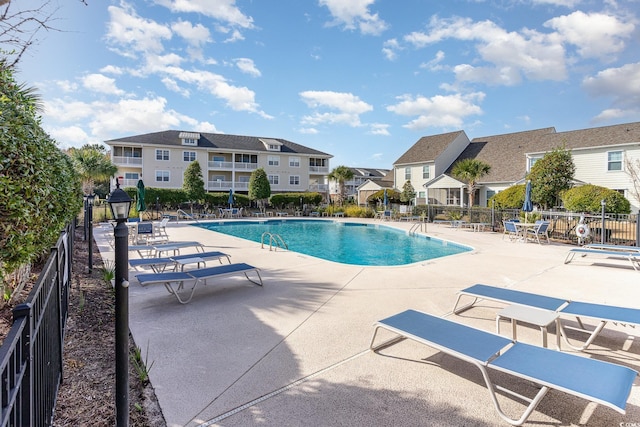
(201, 275)
(159, 264)
(565, 308)
(540, 230)
(605, 383)
(633, 256)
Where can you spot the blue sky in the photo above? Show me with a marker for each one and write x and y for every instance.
(362, 80)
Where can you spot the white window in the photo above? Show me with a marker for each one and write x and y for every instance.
(273, 160)
(162, 176)
(532, 161)
(425, 172)
(189, 156)
(294, 179)
(274, 179)
(422, 194)
(407, 174)
(244, 179)
(131, 175)
(218, 159)
(218, 178)
(614, 161)
(189, 141)
(162, 154)
(294, 162)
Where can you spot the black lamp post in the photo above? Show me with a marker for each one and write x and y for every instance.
(90, 199)
(120, 202)
(84, 222)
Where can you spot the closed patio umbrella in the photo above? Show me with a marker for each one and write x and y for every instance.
(230, 198)
(527, 206)
(385, 199)
(141, 206)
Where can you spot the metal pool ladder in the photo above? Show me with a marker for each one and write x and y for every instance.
(418, 225)
(275, 241)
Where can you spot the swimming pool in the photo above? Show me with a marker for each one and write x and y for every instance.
(343, 242)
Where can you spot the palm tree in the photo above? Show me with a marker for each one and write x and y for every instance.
(92, 164)
(470, 171)
(341, 174)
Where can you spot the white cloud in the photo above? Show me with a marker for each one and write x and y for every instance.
(112, 69)
(390, 49)
(195, 35)
(134, 33)
(438, 111)
(222, 10)
(67, 86)
(354, 14)
(348, 106)
(565, 3)
(102, 84)
(622, 85)
(379, 129)
(434, 64)
(71, 136)
(308, 131)
(126, 116)
(511, 55)
(247, 66)
(596, 35)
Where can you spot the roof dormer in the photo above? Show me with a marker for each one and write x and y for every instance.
(189, 138)
(271, 144)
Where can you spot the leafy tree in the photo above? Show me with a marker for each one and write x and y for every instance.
(259, 186)
(551, 175)
(341, 174)
(193, 183)
(470, 171)
(378, 197)
(92, 163)
(587, 198)
(408, 192)
(39, 189)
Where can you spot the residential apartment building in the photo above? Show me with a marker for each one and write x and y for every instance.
(599, 155)
(227, 161)
(360, 176)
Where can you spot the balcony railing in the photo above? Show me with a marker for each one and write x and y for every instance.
(124, 160)
(321, 188)
(227, 185)
(318, 169)
(220, 165)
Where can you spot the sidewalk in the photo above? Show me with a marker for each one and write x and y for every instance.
(296, 352)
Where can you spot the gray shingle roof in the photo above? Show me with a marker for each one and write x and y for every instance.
(373, 174)
(218, 140)
(428, 148)
(507, 153)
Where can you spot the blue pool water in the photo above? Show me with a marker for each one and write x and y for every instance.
(347, 243)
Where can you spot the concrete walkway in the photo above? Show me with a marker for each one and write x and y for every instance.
(295, 353)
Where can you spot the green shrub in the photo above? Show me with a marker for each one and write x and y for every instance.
(509, 198)
(40, 192)
(358, 212)
(587, 198)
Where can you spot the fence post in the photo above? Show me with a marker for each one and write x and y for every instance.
(26, 358)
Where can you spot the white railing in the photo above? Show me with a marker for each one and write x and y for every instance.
(246, 166)
(220, 165)
(318, 169)
(226, 185)
(123, 160)
(319, 187)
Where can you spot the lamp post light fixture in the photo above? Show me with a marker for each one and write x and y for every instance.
(120, 202)
(90, 199)
(603, 203)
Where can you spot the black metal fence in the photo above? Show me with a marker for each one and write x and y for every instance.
(615, 229)
(31, 355)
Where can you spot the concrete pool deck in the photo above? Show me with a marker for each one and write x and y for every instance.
(296, 352)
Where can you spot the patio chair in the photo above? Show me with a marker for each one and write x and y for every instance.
(601, 382)
(565, 308)
(200, 275)
(540, 230)
(510, 230)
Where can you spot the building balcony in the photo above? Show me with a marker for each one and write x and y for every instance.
(219, 165)
(227, 185)
(320, 188)
(127, 161)
(318, 169)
